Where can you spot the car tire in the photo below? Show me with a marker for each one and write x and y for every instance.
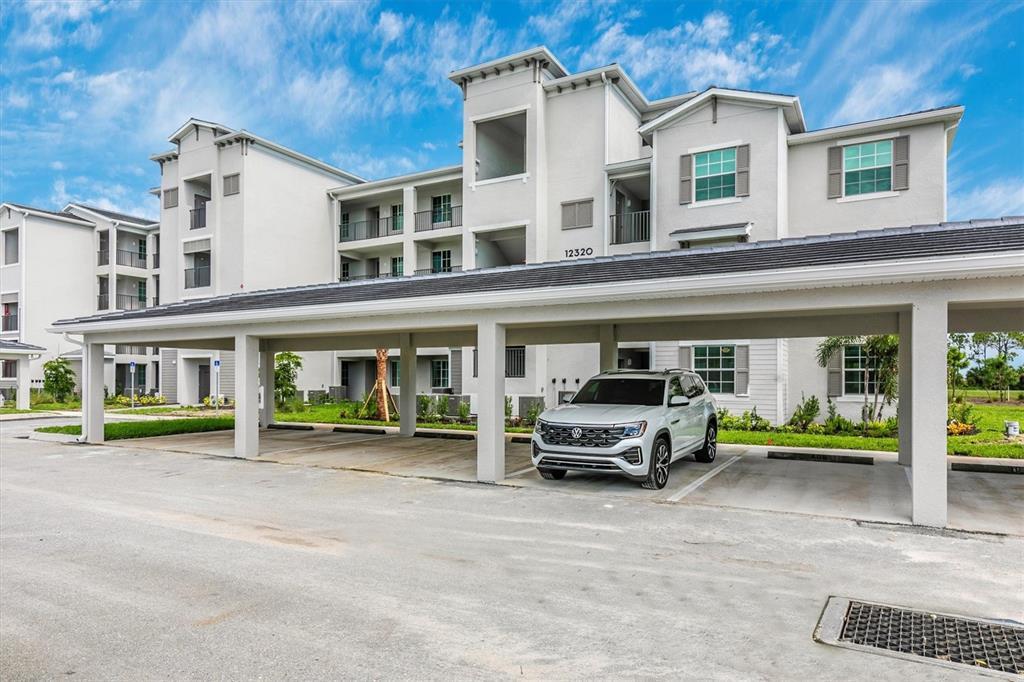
(661, 461)
(552, 474)
(710, 448)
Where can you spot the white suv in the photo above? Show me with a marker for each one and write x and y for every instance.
(632, 423)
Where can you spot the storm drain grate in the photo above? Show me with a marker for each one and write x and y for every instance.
(944, 638)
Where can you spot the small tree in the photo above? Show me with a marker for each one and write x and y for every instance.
(883, 357)
(58, 379)
(286, 371)
(956, 362)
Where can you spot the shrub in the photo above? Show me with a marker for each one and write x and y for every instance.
(533, 413)
(440, 408)
(424, 405)
(58, 379)
(806, 412)
(211, 401)
(727, 422)
(836, 423)
(955, 428)
(877, 429)
(962, 413)
(508, 408)
(752, 421)
(320, 399)
(464, 411)
(368, 406)
(41, 396)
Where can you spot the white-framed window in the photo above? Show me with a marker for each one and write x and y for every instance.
(577, 214)
(860, 371)
(441, 209)
(345, 272)
(714, 174)
(394, 373)
(441, 261)
(867, 168)
(397, 217)
(397, 266)
(439, 377)
(10, 247)
(232, 184)
(716, 366)
(170, 197)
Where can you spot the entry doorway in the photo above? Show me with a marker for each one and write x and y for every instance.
(204, 382)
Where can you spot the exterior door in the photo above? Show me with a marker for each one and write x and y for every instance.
(204, 382)
(695, 410)
(679, 419)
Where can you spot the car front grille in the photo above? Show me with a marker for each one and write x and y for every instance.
(554, 461)
(580, 435)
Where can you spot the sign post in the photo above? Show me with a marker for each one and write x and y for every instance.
(216, 395)
(131, 370)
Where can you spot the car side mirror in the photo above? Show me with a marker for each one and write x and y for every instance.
(678, 401)
(567, 398)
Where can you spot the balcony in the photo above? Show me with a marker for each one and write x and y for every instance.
(438, 219)
(628, 228)
(123, 349)
(357, 278)
(103, 257)
(197, 277)
(441, 270)
(130, 302)
(197, 218)
(369, 229)
(102, 302)
(132, 259)
(9, 323)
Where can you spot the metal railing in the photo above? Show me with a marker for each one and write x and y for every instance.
(439, 219)
(156, 260)
(627, 228)
(369, 229)
(356, 278)
(103, 302)
(197, 277)
(103, 257)
(515, 362)
(197, 218)
(132, 259)
(126, 349)
(432, 271)
(9, 322)
(130, 302)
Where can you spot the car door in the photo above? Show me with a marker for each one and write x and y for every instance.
(694, 390)
(677, 416)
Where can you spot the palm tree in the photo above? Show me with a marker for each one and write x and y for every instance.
(882, 367)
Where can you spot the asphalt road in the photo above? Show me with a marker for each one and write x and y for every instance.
(117, 564)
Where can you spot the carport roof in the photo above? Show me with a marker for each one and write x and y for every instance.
(888, 244)
(10, 346)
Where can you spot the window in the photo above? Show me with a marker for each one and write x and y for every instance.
(142, 249)
(617, 391)
(439, 373)
(515, 362)
(397, 266)
(441, 209)
(141, 292)
(10, 369)
(171, 197)
(10, 317)
(397, 217)
(860, 371)
(675, 388)
(501, 147)
(441, 261)
(716, 174)
(346, 271)
(394, 373)
(716, 365)
(577, 214)
(10, 247)
(344, 373)
(344, 227)
(232, 185)
(867, 168)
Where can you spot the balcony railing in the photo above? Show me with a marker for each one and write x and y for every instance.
(439, 219)
(103, 257)
(356, 278)
(369, 229)
(156, 260)
(197, 277)
(197, 218)
(132, 259)
(433, 271)
(9, 322)
(124, 349)
(130, 302)
(102, 302)
(631, 227)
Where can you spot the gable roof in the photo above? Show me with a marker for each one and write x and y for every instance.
(43, 213)
(114, 215)
(11, 346)
(869, 246)
(511, 61)
(217, 128)
(618, 77)
(789, 103)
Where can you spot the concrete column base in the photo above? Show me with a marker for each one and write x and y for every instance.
(247, 432)
(490, 440)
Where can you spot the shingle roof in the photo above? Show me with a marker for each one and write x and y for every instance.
(56, 214)
(9, 345)
(114, 215)
(922, 241)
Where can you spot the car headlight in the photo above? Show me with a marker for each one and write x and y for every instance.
(540, 426)
(633, 430)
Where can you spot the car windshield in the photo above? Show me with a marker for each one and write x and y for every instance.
(621, 391)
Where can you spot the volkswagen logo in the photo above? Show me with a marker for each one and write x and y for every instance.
(577, 432)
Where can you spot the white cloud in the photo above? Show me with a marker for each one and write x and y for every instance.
(109, 196)
(47, 24)
(57, 166)
(391, 26)
(968, 70)
(1004, 197)
(18, 100)
(887, 91)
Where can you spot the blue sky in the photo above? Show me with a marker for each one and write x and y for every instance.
(89, 89)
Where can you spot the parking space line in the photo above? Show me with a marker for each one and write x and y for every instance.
(520, 472)
(702, 480)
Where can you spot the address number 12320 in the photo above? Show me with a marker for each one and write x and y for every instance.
(576, 253)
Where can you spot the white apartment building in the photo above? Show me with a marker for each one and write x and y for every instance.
(57, 264)
(563, 166)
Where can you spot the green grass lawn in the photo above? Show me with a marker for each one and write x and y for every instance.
(137, 429)
(330, 414)
(13, 410)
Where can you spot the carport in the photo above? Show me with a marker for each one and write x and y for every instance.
(20, 353)
(921, 282)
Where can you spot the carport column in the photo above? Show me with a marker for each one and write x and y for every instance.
(928, 328)
(23, 383)
(407, 385)
(490, 437)
(247, 431)
(92, 392)
(609, 347)
(905, 398)
(267, 379)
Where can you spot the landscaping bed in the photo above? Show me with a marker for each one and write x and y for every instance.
(147, 429)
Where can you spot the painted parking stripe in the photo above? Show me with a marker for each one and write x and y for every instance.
(703, 479)
(520, 472)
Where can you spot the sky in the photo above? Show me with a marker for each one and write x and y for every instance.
(89, 89)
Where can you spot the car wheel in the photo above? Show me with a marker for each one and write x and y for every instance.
(657, 474)
(710, 449)
(552, 474)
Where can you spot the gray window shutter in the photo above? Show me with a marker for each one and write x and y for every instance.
(196, 246)
(901, 162)
(585, 213)
(743, 170)
(835, 374)
(835, 172)
(568, 215)
(684, 357)
(170, 197)
(685, 179)
(742, 370)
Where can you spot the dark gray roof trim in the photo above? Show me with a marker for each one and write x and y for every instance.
(123, 217)
(947, 239)
(58, 214)
(7, 344)
(692, 230)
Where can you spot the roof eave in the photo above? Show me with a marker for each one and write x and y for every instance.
(398, 181)
(533, 53)
(951, 114)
